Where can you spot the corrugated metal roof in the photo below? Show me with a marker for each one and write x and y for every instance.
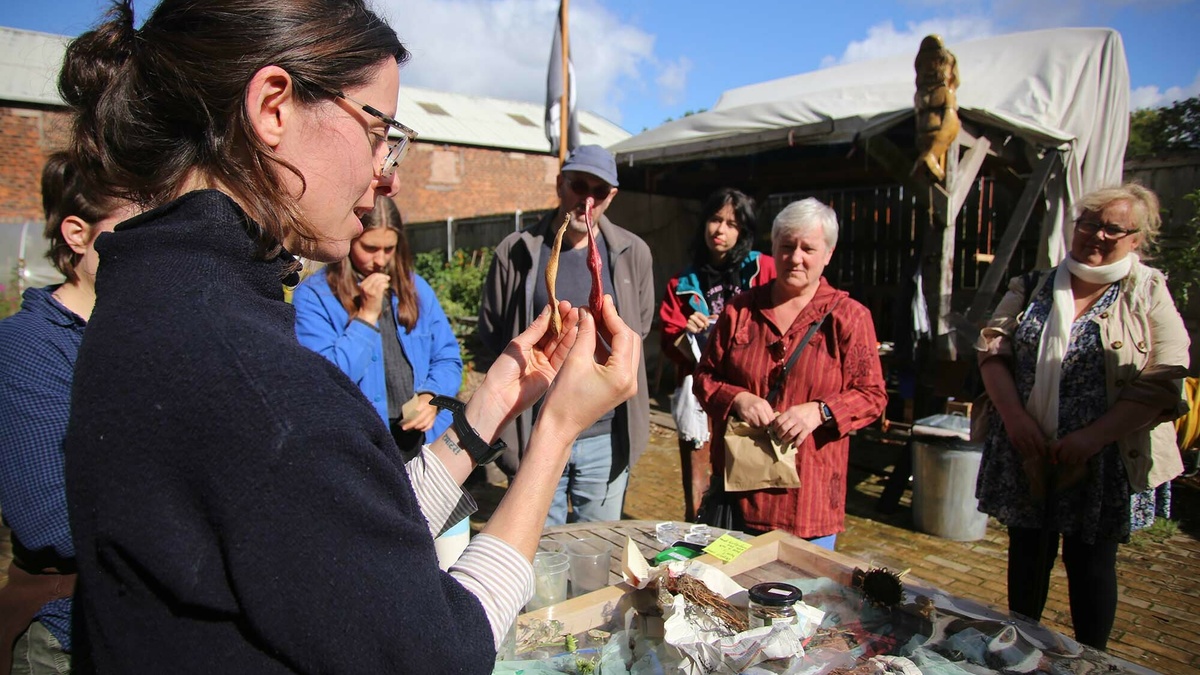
(29, 64)
(441, 116)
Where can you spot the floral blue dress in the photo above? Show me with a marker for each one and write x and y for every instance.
(1100, 506)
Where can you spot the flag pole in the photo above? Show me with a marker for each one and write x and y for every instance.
(566, 89)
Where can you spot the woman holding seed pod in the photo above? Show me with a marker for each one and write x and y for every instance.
(237, 505)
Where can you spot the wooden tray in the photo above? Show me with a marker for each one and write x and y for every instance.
(774, 556)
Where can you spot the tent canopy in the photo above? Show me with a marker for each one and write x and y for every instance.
(1064, 89)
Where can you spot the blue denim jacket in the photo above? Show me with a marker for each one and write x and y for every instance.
(323, 326)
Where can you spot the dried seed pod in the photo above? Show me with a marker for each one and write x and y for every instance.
(552, 276)
(596, 297)
(880, 586)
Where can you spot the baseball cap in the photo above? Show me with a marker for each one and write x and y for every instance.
(595, 160)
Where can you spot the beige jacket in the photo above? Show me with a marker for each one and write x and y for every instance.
(1145, 360)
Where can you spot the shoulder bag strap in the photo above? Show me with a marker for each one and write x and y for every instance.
(787, 367)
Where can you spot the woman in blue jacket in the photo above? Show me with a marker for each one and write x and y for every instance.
(381, 324)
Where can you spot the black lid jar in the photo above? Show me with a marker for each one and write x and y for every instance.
(772, 603)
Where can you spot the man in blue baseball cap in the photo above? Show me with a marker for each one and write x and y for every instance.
(596, 476)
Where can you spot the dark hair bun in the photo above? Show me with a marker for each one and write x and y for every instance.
(97, 58)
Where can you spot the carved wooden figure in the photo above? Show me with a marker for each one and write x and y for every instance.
(936, 104)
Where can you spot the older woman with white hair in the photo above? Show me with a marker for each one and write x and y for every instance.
(1084, 365)
(834, 386)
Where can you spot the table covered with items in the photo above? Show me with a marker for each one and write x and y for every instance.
(770, 604)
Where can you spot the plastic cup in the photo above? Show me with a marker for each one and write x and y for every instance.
(668, 533)
(549, 579)
(551, 546)
(507, 651)
(589, 562)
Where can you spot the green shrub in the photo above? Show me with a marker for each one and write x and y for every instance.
(1179, 257)
(10, 300)
(458, 284)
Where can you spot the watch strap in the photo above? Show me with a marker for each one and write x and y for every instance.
(470, 440)
(826, 413)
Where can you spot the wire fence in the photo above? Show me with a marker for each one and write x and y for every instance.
(468, 234)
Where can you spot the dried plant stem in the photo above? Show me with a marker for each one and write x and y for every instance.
(552, 276)
(695, 592)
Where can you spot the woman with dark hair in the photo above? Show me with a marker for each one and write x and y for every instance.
(834, 385)
(379, 322)
(722, 266)
(238, 506)
(1084, 365)
(38, 346)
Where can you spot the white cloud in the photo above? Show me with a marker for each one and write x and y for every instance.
(884, 40)
(672, 81)
(501, 48)
(1151, 97)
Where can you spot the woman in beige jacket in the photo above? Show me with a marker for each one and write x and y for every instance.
(1083, 365)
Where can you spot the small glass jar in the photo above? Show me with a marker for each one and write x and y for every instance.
(773, 603)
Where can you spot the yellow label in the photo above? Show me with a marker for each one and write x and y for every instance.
(727, 548)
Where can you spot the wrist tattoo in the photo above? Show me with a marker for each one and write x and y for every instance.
(455, 447)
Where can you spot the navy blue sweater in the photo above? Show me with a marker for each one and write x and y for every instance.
(237, 505)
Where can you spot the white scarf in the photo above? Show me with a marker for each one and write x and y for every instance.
(1056, 335)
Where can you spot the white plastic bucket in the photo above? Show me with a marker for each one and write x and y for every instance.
(944, 503)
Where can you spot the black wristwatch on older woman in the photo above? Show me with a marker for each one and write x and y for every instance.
(826, 413)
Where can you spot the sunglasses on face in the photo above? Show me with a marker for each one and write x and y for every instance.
(580, 187)
(1090, 227)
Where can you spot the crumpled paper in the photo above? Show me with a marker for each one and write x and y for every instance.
(703, 649)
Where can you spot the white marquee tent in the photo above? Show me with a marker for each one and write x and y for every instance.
(1064, 89)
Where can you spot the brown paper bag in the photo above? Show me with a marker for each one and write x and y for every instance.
(755, 460)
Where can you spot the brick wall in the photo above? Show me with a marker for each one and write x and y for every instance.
(443, 181)
(437, 181)
(27, 136)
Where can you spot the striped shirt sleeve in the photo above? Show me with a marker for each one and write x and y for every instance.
(499, 576)
(489, 568)
(442, 499)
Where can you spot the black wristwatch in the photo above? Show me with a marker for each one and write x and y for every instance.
(826, 413)
(468, 438)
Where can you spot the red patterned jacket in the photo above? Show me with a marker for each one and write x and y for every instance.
(840, 366)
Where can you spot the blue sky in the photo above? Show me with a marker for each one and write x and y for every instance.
(640, 62)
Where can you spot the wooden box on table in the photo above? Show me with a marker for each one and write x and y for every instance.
(775, 556)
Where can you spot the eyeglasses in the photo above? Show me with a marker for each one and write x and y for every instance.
(1090, 227)
(396, 149)
(580, 187)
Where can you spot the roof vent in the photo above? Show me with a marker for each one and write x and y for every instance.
(433, 108)
(522, 120)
